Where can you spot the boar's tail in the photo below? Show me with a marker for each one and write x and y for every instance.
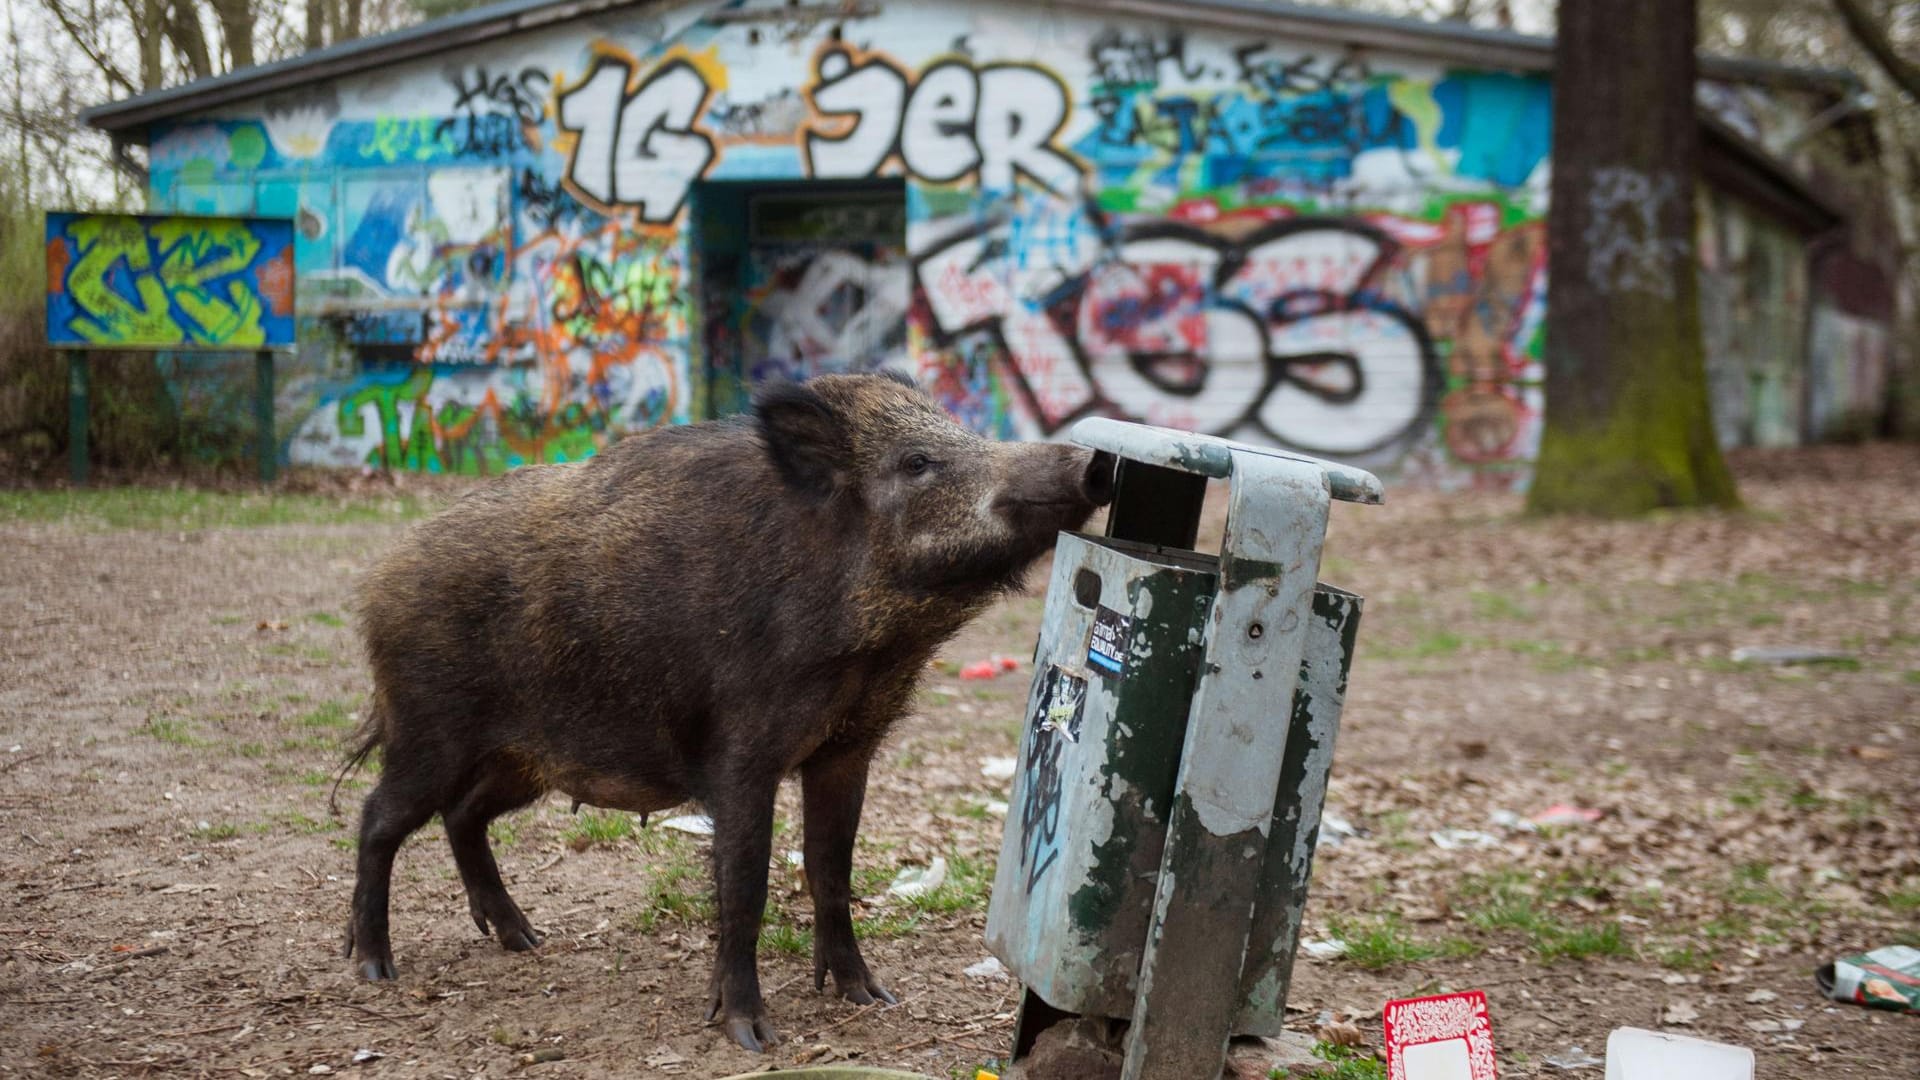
(371, 733)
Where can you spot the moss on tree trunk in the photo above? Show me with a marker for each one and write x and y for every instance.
(1628, 426)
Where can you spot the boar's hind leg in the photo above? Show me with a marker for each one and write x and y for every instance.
(742, 842)
(834, 786)
(502, 789)
(399, 804)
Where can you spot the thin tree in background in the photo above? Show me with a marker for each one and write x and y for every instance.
(1628, 426)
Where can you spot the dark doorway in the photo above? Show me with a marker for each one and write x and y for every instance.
(799, 279)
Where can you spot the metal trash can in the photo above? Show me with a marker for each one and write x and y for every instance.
(1174, 760)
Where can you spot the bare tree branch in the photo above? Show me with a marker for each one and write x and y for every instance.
(1873, 37)
(79, 36)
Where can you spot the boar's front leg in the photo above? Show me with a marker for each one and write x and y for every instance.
(834, 787)
(742, 843)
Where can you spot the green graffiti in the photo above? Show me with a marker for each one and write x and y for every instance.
(190, 263)
(397, 139)
(247, 147)
(105, 241)
(385, 397)
(1413, 99)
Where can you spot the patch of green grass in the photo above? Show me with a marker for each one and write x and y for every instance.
(677, 892)
(346, 843)
(887, 924)
(1349, 1063)
(1428, 645)
(504, 831)
(1512, 901)
(1904, 900)
(172, 732)
(968, 883)
(191, 509)
(308, 826)
(1582, 942)
(1383, 942)
(326, 618)
(1912, 677)
(229, 620)
(226, 830)
(599, 827)
(1687, 958)
(310, 742)
(785, 938)
(1496, 605)
(329, 714)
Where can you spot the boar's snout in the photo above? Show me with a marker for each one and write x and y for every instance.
(1098, 480)
(1050, 486)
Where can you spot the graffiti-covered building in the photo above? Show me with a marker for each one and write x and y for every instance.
(524, 230)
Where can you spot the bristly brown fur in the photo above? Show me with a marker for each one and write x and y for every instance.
(693, 614)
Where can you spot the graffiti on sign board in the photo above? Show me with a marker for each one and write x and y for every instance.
(126, 281)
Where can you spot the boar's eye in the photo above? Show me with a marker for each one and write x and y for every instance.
(917, 464)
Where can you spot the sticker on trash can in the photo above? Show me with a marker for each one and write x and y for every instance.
(1107, 648)
(1054, 724)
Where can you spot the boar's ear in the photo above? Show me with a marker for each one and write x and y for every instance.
(805, 436)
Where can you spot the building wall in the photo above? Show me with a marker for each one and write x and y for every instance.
(1286, 244)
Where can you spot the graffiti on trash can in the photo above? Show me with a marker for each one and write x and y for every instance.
(1055, 724)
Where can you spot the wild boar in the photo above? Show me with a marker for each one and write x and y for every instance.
(693, 614)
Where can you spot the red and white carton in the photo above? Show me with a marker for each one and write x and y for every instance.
(1446, 1037)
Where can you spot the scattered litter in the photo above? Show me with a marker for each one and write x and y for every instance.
(1786, 654)
(991, 668)
(1563, 814)
(1444, 1037)
(361, 1057)
(998, 768)
(1334, 831)
(319, 1070)
(1886, 978)
(994, 807)
(990, 968)
(1636, 1054)
(187, 887)
(1340, 1033)
(544, 1054)
(1773, 1027)
(1761, 997)
(915, 881)
(1680, 1013)
(1453, 839)
(796, 859)
(1324, 949)
(1574, 1058)
(692, 824)
(1871, 753)
(1507, 819)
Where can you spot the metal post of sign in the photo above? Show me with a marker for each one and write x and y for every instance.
(268, 447)
(77, 409)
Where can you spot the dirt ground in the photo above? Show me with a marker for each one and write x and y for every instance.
(177, 673)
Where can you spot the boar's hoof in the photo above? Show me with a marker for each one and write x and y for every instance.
(520, 939)
(751, 1029)
(375, 969)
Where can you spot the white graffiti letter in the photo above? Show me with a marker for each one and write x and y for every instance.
(875, 95)
(936, 139)
(1021, 110)
(593, 110)
(660, 154)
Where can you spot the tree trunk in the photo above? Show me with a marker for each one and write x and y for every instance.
(150, 22)
(316, 24)
(236, 29)
(187, 35)
(1628, 428)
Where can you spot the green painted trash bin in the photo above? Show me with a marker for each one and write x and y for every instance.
(1177, 741)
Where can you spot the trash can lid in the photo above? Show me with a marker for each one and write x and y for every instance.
(1209, 455)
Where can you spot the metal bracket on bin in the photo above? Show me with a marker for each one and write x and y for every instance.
(1196, 983)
